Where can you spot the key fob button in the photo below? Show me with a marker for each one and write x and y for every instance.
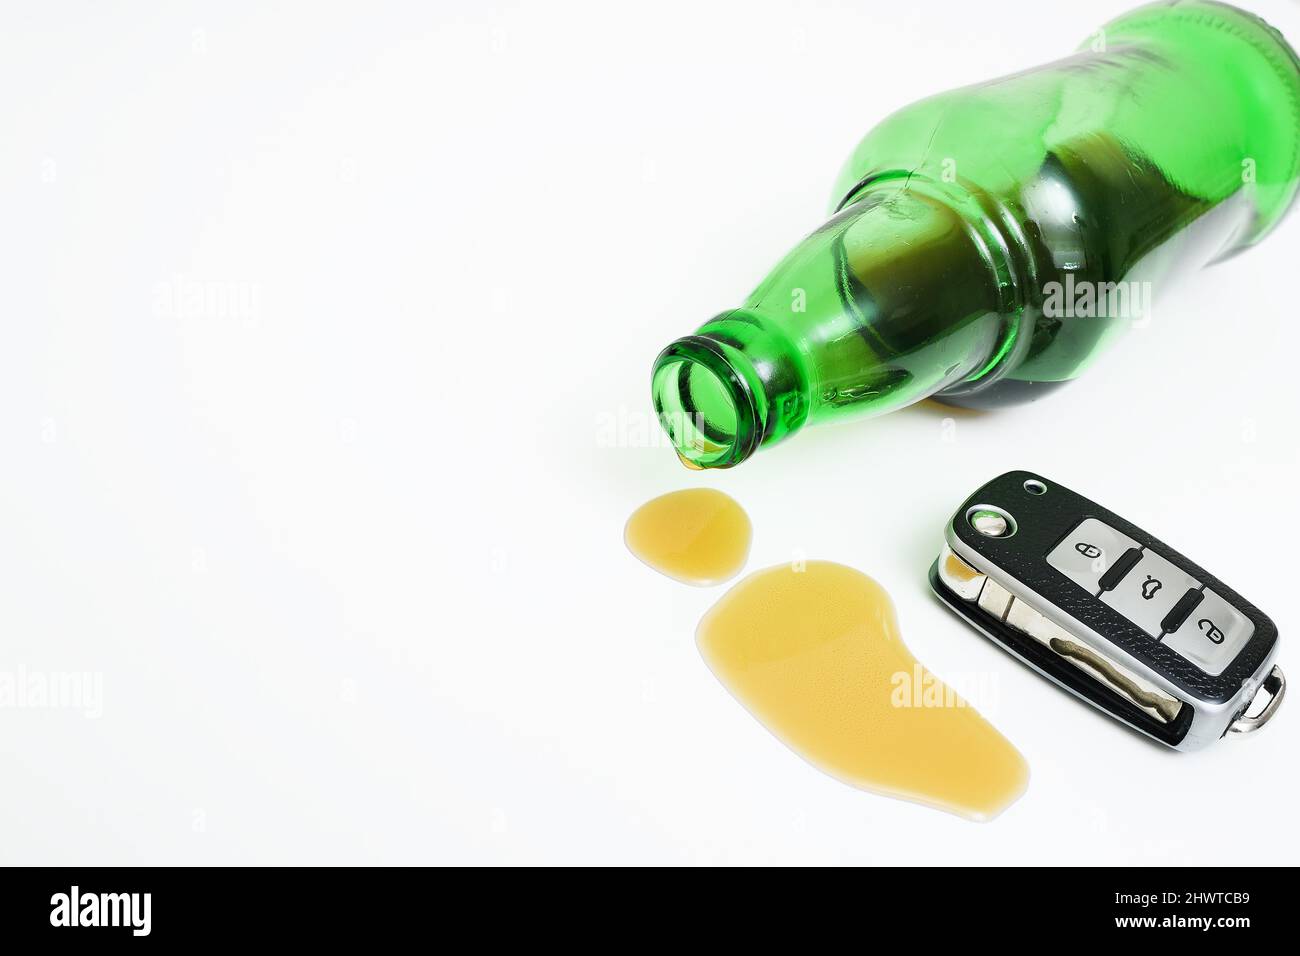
(1088, 552)
(1149, 592)
(1212, 634)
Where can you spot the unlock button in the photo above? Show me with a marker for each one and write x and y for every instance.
(1212, 634)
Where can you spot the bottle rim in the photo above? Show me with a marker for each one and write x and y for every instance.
(704, 404)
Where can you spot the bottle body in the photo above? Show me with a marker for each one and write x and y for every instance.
(986, 243)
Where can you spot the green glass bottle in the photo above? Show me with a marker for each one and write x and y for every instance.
(987, 242)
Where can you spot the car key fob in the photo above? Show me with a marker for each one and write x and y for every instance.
(1108, 612)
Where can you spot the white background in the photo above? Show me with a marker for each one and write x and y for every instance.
(312, 314)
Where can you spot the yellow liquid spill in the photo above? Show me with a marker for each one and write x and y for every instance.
(698, 536)
(816, 656)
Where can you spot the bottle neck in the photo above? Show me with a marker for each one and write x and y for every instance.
(892, 300)
(734, 385)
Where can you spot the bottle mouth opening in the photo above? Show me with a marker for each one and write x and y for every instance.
(704, 405)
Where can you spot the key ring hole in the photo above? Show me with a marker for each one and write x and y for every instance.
(1035, 487)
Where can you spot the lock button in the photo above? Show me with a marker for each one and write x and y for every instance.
(1088, 552)
(1149, 591)
(1212, 635)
